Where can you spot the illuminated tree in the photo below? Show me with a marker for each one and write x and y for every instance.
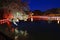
(13, 6)
(9, 7)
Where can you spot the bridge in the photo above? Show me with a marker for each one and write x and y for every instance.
(32, 18)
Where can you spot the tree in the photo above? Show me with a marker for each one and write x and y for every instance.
(14, 6)
(37, 12)
(52, 11)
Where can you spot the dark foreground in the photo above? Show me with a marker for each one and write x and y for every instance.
(40, 30)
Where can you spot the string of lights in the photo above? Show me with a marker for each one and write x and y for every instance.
(39, 17)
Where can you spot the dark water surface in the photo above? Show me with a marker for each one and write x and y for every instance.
(41, 30)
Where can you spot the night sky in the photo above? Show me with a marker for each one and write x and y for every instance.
(44, 5)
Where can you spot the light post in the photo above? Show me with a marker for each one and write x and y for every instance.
(31, 17)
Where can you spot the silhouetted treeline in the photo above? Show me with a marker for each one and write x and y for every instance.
(49, 11)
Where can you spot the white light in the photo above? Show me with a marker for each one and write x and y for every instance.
(15, 23)
(17, 20)
(31, 19)
(58, 21)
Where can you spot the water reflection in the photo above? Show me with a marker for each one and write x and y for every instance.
(36, 29)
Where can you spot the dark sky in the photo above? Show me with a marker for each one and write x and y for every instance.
(43, 5)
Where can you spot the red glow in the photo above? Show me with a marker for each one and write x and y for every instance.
(39, 17)
(9, 25)
(8, 15)
(29, 17)
(6, 21)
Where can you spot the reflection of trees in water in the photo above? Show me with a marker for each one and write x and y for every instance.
(21, 35)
